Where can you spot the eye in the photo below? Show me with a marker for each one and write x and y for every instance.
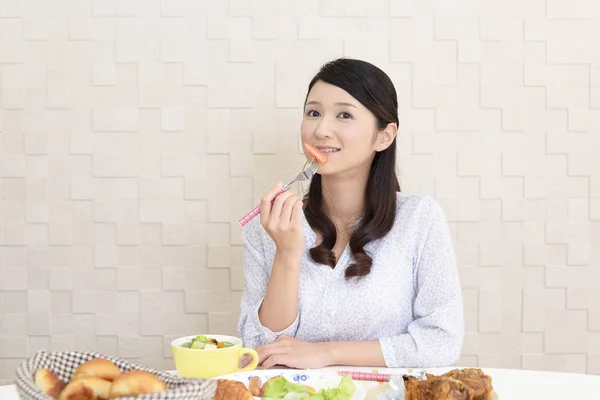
(312, 113)
(345, 115)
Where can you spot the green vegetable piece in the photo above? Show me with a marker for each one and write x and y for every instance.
(344, 391)
(187, 345)
(200, 338)
(280, 388)
(197, 344)
(227, 344)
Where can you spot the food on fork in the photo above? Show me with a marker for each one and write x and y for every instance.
(48, 382)
(316, 153)
(307, 173)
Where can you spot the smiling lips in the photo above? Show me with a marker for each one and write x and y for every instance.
(328, 149)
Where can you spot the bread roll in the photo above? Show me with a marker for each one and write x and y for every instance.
(134, 383)
(231, 390)
(48, 382)
(99, 367)
(88, 388)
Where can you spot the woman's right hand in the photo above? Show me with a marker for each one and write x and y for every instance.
(282, 219)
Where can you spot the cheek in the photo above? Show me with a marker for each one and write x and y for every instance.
(305, 130)
(357, 139)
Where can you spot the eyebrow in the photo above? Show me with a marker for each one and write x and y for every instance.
(337, 104)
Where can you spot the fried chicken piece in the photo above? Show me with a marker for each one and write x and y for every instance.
(437, 388)
(231, 390)
(475, 379)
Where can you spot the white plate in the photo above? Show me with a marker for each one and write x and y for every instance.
(315, 379)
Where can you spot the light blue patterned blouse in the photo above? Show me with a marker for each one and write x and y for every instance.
(411, 301)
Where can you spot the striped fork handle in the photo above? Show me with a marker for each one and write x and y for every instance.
(366, 376)
(256, 210)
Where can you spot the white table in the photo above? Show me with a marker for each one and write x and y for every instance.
(509, 384)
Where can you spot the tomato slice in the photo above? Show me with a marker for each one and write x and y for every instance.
(316, 153)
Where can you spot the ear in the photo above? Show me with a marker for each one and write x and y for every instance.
(386, 137)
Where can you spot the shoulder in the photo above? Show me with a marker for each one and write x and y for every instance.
(419, 207)
(417, 214)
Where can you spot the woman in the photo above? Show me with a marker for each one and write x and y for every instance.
(356, 273)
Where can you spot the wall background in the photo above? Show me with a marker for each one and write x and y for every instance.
(135, 133)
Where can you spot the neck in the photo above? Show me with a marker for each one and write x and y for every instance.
(344, 198)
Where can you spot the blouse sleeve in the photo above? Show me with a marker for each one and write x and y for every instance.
(435, 336)
(256, 280)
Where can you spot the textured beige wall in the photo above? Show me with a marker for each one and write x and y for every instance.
(135, 133)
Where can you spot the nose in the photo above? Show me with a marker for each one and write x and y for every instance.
(323, 129)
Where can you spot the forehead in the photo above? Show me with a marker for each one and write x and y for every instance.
(328, 95)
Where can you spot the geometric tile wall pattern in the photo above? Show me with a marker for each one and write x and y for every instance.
(133, 134)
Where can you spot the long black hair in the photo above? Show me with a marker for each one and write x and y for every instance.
(373, 89)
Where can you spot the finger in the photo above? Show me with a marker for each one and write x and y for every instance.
(278, 205)
(296, 217)
(263, 352)
(272, 193)
(245, 361)
(272, 361)
(266, 349)
(286, 211)
(269, 350)
(266, 201)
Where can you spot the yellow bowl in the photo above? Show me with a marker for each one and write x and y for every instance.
(196, 363)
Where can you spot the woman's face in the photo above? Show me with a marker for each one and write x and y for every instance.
(341, 127)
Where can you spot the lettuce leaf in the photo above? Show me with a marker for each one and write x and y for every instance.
(344, 391)
(281, 388)
(277, 388)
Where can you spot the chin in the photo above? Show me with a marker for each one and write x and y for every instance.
(324, 170)
(328, 171)
(344, 170)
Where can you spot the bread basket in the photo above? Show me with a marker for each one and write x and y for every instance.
(63, 364)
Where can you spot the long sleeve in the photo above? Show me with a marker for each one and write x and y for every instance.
(435, 337)
(256, 281)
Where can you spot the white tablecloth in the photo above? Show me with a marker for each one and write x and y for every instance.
(509, 384)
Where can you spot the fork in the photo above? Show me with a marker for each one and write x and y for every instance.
(306, 174)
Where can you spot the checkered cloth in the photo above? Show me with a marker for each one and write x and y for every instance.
(63, 364)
